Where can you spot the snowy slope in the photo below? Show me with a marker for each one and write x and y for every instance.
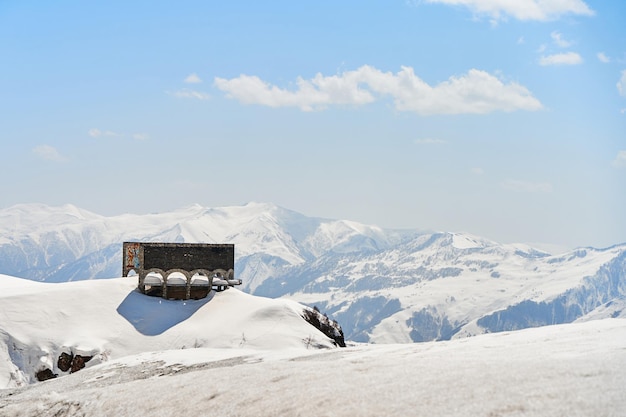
(573, 370)
(109, 319)
(382, 285)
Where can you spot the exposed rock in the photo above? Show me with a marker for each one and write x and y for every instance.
(322, 323)
(45, 374)
(69, 362)
(79, 362)
(64, 363)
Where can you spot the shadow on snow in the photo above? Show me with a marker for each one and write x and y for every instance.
(152, 316)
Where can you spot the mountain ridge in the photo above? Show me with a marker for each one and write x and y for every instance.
(381, 285)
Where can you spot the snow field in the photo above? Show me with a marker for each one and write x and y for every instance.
(109, 319)
(566, 370)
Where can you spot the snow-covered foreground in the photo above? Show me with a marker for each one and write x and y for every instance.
(566, 370)
(233, 354)
(109, 319)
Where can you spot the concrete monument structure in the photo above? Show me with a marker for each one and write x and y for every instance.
(180, 271)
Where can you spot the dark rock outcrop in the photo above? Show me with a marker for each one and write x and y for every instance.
(79, 362)
(69, 362)
(64, 363)
(321, 322)
(45, 374)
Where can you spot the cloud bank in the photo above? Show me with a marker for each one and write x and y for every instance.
(541, 10)
(621, 84)
(192, 79)
(557, 38)
(97, 133)
(48, 153)
(476, 92)
(188, 93)
(566, 58)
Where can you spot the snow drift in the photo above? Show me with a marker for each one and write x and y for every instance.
(108, 319)
(568, 370)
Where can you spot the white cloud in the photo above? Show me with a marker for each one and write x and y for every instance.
(541, 10)
(193, 79)
(96, 133)
(557, 38)
(315, 94)
(620, 160)
(49, 153)
(527, 186)
(140, 136)
(429, 141)
(521, 41)
(621, 84)
(187, 93)
(566, 58)
(476, 92)
(603, 58)
(477, 171)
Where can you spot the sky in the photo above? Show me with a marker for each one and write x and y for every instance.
(504, 119)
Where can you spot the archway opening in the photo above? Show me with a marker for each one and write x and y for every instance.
(199, 286)
(153, 284)
(177, 286)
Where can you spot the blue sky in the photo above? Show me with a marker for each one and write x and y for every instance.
(506, 119)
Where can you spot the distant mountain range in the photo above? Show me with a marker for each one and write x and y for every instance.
(381, 285)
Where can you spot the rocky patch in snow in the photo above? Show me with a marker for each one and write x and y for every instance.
(320, 321)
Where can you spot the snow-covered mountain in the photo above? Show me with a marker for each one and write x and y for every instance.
(381, 285)
(57, 244)
(445, 285)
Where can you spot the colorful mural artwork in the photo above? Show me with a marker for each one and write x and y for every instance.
(132, 256)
